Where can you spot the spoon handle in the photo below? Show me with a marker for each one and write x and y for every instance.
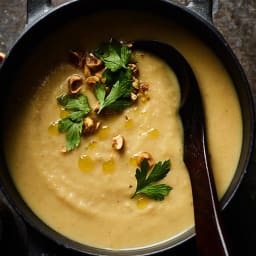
(210, 237)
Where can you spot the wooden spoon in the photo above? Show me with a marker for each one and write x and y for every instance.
(210, 237)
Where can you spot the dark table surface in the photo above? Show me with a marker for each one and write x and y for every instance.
(236, 19)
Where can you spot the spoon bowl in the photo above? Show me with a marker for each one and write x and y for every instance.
(210, 236)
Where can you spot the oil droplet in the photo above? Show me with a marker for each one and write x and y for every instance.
(142, 202)
(92, 145)
(129, 124)
(133, 161)
(85, 163)
(63, 113)
(103, 132)
(53, 128)
(153, 133)
(108, 166)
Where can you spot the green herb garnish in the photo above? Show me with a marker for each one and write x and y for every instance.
(72, 125)
(119, 96)
(146, 183)
(114, 93)
(115, 55)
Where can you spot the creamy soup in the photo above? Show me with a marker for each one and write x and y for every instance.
(86, 194)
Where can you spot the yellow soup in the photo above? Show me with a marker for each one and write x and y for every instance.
(86, 194)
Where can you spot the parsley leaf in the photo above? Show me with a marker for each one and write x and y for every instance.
(120, 104)
(64, 124)
(114, 55)
(111, 77)
(118, 75)
(118, 98)
(100, 93)
(75, 103)
(156, 192)
(72, 125)
(146, 182)
(73, 132)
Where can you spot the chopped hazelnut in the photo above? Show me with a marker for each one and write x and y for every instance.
(92, 80)
(99, 75)
(107, 89)
(75, 84)
(96, 107)
(129, 44)
(97, 126)
(87, 71)
(90, 126)
(133, 68)
(118, 142)
(63, 149)
(144, 87)
(2, 57)
(93, 62)
(136, 83)
(147, 156)
(134, 96)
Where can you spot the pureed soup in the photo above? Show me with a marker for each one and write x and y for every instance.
(87, 194)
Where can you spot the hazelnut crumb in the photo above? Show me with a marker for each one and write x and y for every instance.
(87, 71)
(74, 83)
(129, 44)
(147, 156)
(99, 75)
(63, 149)
(92, 80)
(133, 68)
(96, 107)
(134, 96)
(136, 83)
(144, 87)
(118, 142)
(93, 62)
(90, 126)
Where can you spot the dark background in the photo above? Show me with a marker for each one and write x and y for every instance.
(236, 19)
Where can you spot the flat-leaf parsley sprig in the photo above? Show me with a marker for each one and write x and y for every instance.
(72, 125)
(114, 54)
(119, 96)
(118, 75)
(146, 183)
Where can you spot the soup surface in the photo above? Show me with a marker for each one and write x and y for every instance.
(86, 194)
